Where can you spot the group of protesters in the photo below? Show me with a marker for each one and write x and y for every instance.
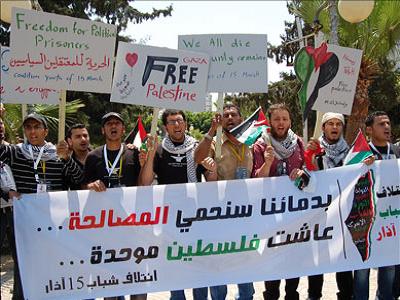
(36, 166)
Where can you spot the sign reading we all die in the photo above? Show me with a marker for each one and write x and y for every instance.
(160, 77)
(61, 52)
(238, 62)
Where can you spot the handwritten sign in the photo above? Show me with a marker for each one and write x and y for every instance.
(11, 92)
(61, 52)
(329, 76)
(160, 77)
(179, 232)
(238, 61)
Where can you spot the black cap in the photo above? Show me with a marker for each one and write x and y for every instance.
(110, 115)
(36, 117)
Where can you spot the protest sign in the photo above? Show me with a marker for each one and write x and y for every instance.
(329, 76)
(83, 244)
(11, 92)
(160, 77)
(238, 61)
(61, 52)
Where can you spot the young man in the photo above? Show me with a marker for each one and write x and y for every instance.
(378, 128)
(277, 154)
(38, 166)
(78, 141)
(328, 152)
(111, 165)
(236, 162)
(173, 162)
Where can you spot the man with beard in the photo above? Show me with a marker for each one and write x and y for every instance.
(112, 165)
(173, 162)
(378, 128)
(236, 162)
(78, 141)
(38, 166)
(277, 154)
(328, 152)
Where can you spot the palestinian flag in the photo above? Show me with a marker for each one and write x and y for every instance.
(136, 135)
(141, 133)
(359, 151)
(249, 131)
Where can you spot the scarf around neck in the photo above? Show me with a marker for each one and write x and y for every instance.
(186, 148)
(334, 153)
(49, 152)
(283, 149)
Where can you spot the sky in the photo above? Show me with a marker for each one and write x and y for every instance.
(214, 17)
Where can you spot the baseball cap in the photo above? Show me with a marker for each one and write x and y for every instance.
(110, 115)
(36, 117)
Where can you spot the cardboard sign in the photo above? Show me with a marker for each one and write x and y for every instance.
(12, 92)
(160, 77)
(238, 61)
(61, 52)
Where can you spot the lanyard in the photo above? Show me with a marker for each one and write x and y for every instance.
(36, 162)
(120, 167)
(110, 170)
(380, 154)
(236, 153)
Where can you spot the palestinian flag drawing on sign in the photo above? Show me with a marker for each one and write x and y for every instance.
(250, 130)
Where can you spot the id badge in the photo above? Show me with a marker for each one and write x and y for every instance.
(241, 173)
(41, 188)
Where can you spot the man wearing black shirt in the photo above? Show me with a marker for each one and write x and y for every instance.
(173, 162)
(378, 128)
(78, 141)
(113, 164)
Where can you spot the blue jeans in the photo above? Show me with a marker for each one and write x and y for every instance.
(385, 284)
(218, 292)
(198, 294)
(246, 292)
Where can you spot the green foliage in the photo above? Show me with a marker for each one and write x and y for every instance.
(200, 121)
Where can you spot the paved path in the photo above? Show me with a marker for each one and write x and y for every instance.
(329, 289)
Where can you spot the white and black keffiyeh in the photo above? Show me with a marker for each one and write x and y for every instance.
(187, 148)
(49, 152)
(283, 149)
(334, 153)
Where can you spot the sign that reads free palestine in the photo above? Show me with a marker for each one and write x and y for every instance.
(61, 52)
(11, 92)
(238, 61)
(160, 77)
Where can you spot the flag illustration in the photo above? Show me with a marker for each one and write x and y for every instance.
(249, 131)
(359, 151)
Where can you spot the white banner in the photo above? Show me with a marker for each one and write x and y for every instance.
(61, 52)
(160, 77)
(238, 61)
(12, 92)
(83, 244)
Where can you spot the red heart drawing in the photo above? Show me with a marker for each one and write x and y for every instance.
(131, 59)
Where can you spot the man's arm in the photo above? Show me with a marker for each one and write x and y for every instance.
(202, 150)
(146, 175)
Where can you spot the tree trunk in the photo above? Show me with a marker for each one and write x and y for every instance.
(359, 111)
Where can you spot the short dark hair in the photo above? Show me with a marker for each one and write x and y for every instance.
(371, 117)
(171, 112)
(75, 126)
(278, 106)
(231, 105)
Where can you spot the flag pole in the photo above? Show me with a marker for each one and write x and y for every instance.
(220, 105)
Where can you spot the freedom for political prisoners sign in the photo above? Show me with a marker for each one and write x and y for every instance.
(238, 61)
(61, 52)
(329, 76)
(160, 77)
(83, 244)
(12, 92)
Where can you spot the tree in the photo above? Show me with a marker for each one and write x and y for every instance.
(377, 36)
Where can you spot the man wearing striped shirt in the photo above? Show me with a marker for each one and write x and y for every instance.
(38, 166)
